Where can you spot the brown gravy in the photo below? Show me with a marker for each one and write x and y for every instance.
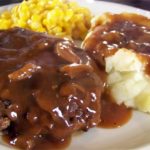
(129, 31)
(108, 34)
(113, 115)
(45, 143)
(67, 98)
(49, 89)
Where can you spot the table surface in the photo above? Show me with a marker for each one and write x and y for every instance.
(144, 4)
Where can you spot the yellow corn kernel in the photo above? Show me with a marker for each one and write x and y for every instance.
(61, 34)
(49, 23)
(14, 18)
(23, 12)
(73, 5)
(6, 15)
(14, 10)
(4, 23)
(41, 29)
(42, 3)
(68, 14)
(20, 23)
(57, 29)
(57, 17)
(32, 6)
(36, 17)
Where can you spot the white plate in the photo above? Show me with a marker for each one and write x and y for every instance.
(133, 135)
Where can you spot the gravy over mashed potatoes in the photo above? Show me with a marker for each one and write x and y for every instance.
(121, 44)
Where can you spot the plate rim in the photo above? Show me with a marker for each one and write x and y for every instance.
(138, 10)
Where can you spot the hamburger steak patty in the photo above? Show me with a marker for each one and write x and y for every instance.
(48, 88)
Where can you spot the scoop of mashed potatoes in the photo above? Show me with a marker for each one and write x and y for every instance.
(120, 43)
(127, 80)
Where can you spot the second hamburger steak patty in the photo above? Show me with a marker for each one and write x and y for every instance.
(48, 88)
(120, 44)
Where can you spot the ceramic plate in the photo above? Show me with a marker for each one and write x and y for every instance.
(133, 135)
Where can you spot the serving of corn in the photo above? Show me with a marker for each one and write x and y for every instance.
(55, 17)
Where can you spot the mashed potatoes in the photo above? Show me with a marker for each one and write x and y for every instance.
(127, 80)
(120, 43)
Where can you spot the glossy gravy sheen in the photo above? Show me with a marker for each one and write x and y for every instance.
(125, 30)
(113, 115)
(108, 34)
(49, 89)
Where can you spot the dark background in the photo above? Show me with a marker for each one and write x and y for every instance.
(144, 4)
